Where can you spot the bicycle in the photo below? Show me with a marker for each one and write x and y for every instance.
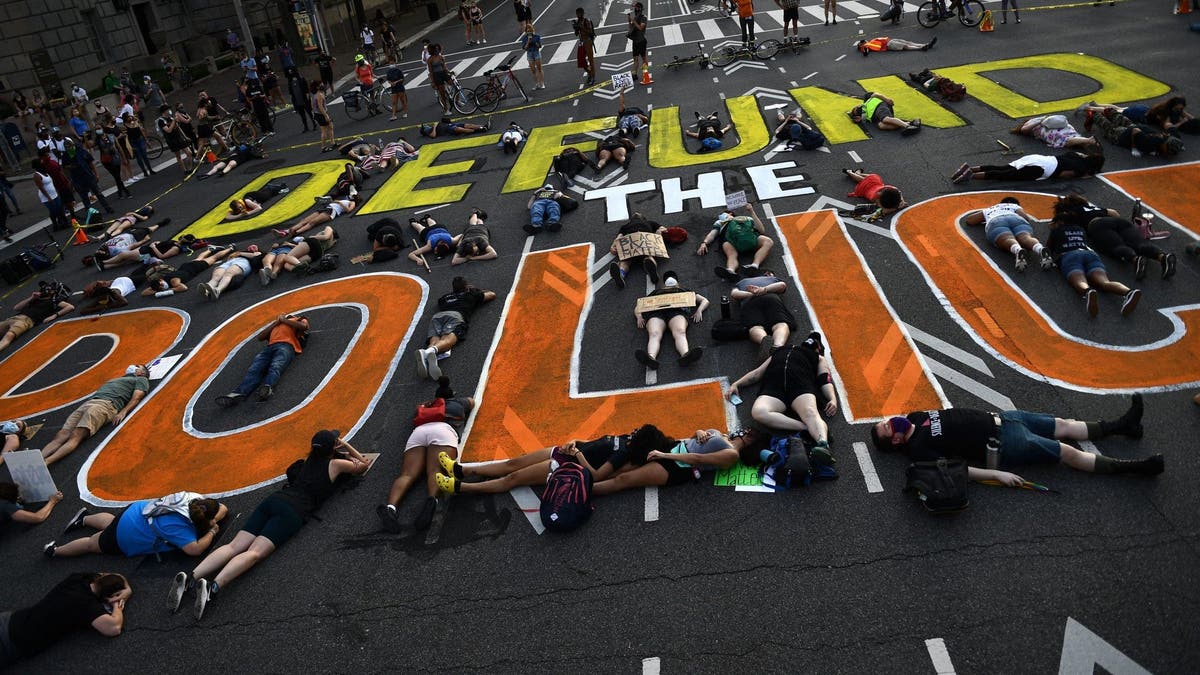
(360, 106)
(489, 94)
(462, 100)
(762, 51)
(792, 44)
(154, 146)
(700, 58)
(238, 128)
(970, 12)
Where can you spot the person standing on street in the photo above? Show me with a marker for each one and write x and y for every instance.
(637, 37)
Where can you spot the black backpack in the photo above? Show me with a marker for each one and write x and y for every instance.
(567, 499)
(326, 263)
(941, 486)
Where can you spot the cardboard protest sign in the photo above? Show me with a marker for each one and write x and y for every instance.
(639, 244)
(666, 301)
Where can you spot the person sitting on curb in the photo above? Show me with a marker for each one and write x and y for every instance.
(324, 214)
(82, 600)
(676, 319)
(870, 186)
(425, 444)
(676, 462)
(791, 379)
(879, 110)
(763, 312)
(42, 306)
(475, 242)
(275, 520)
(163, 277)
(609, 453)
(544, 210)
(251, 203)
(285, 338)
(106, 295)
(619, 269)
(993, 443)
(1071, 164)
(183, 520)
(232, 272)
(111, 403)
(448, 127)
(1010, 229)
(1080, 266)
(888, 44)
(738, 235)
(449, 325)
(1055, 131)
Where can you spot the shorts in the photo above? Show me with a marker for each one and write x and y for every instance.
(445, 323)
(433, 433)
(524, 13)
(92, 415)
(1027, 438)
(791, 14)
(668, 314)
(16, 325)
(601, 450)
(639, 49)
(533, 55)
(108, 536)
(678, 475)
(869, 185)
(766, 311)
(881, 111)
(276, 519)
(317, 247)
(240, 263)
(1081, 260)
(188, 270)
(397, 87)
(1008, 223)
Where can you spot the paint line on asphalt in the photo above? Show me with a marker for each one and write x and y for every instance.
(854, 156)
(940, 656)
(972, 386)
(527, 500)
(966, 358)
(651, 514)
(870, 476)
(651, 666)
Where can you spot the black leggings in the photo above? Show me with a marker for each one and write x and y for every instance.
(114, 170)
(264, 193)
(747, 23)
(1009, 172)
(1118, 238)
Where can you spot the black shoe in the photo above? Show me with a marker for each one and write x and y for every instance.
(554, 227)
(530, 228)
(1139, 267)
(388, 518)
(930, 44)
(645, 359)
(425, 517)
(692, 356)
(614, 271)
(651, 268)
(1129, 424)
(229, 400)
(1168, 266)
(76, 521)
(1151, 466)
(726, 273)
(265, 392)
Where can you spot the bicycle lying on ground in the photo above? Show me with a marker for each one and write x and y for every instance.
(701, 58)
(762, 51)
(792, 44)
(489, 94)
(930, 14)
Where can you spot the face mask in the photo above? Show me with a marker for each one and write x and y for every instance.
(671, 282)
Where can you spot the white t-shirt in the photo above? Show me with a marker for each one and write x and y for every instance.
(1048, 163)
(998, 210)
(368, 36)
(124, 110)
(47, 185)
(124, 285)
(80, 94)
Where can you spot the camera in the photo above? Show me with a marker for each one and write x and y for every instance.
(575, 25)
(54, 290)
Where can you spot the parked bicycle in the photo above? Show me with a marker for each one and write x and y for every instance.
(489, 94)
(462, 100)
(700, 58)
(360, 106)
(237, 128)
(792, 44)
(762, 51)
(930, 13)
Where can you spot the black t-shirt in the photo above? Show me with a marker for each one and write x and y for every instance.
(1075, 162)
(69, 606)
(308, 485)
(638, 225)
(324, 62)
(386, 230)
(954, 432)
(7, 509)
(254, 89)
(463, 302)
(1067, 237)
(1147, 141)
(39, 308)
(611, 449)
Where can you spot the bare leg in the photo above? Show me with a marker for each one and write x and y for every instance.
(1077, 459)
(78, 436)
(654, 332)
(534, 474)
(643, 476)
(731, 256)
(79, 547)
(214, 561)
(242, 562)
(433, 468)
(678, 327)
(1100, 281)
(764, 248)
(414, 464)
(770, 412)
(805, 406)
(780, 334)
(499, 469)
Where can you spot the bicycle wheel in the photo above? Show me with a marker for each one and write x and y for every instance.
(767, 49)
(154, 147)
(929, 14)
(521, 89)
(971, 13)
(487, 97)
(355, 105)
(241, 132)
(385, 98)
(724, 56)
(463, 101)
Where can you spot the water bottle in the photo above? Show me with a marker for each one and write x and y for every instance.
(164, 294)
(724, 306)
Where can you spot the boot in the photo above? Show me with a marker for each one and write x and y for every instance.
(1150, 466)
(1129, 424)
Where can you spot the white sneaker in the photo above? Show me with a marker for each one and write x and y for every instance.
(422, 368)
(264, 275)
(202, 597)
(175, 594)
(431, 363)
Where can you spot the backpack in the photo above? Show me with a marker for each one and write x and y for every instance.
(176, 502)
(789, 465)
(567, 499)
(433, 411)
(711, 143)
(727, 330)
(326, 263)
(941, 486)
(951, 90)
(740, 233)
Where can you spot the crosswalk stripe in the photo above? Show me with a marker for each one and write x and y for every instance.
(460, 69)
(709, 30)
(672, 35)
(775, 16)
(565, 52)
(858, 8)
(491, 63)
(817, 12)
(602, 44)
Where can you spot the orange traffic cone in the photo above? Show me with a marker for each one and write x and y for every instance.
(80, 237)
(646, 74)
(987, 24)
(1183, 7)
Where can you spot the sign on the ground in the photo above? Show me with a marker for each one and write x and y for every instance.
(640, 244)
(28, 470)
(666, 301)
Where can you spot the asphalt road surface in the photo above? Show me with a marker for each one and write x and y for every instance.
(837, 577)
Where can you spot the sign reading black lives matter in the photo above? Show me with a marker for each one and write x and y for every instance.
(639, 244)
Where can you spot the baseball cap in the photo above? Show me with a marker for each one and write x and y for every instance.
(325, 439)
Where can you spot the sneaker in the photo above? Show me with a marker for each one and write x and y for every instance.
(1168, 266)
(450, 466)
(692, 356)
(229, 400)
(643, 357)
(1139, 267)
(76, 521)
(422, 369)
(425, 518)
(1092, 300)
(175, 593)
(956, 177)
(205, 290)
(822, 455)
(1047, 259)
(749, 268)
(48, 549)
(1130, 302)
(912, 128)
(651, 269)
(614, 271)
(929, 45)
(282, 233)
(431, 363)
(284, 190)
(1022, 260)
(446, 484)
(265, 392)
(203, 594)
(530, 228)
(302, 269)
(726, 273)
(98, 263)
(554, 226)
(264, 275)
(388, 518)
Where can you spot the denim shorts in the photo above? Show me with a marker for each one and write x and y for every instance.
(1007, 224)
(1081, 260)
(1027, 438)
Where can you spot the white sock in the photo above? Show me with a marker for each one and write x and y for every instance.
(1038, 248)
(1014, 249)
